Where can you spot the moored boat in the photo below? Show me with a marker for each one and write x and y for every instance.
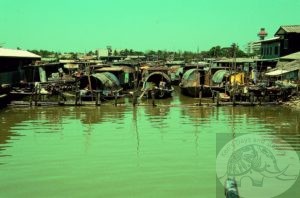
(106, 83)
(193, 82)
(157, 81)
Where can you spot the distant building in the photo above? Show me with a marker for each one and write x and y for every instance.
(270, 48)
(101, 52)
(254, 47)
(262, 34)
(11, 64)
(286, 41)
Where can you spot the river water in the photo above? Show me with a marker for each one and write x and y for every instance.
(165, 151)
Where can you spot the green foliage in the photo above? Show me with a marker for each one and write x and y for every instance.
(214, 52)
(45, 53)
(229, 52)
(91, 53)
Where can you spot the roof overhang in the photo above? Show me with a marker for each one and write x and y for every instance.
(13, 53)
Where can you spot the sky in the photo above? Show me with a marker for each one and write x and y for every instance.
(84, 25)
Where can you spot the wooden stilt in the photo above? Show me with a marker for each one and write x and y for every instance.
(134, 98)
(116, 99)
(153, 98)
(200, 97)
(98, 98)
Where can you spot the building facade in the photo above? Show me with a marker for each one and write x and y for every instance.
(286, 41)
(12, 63)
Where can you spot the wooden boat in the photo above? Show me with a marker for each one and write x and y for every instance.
(157, 81)
(204, 79)
(192, 83)
(106, 83)
(125, 74)
(4, 94)
(175, 69)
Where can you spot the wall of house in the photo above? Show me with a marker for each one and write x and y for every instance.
(11, 70)
(271, 50)
(290, 44)
(291, 76)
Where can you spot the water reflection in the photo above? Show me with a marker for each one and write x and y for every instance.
(197, 115)
(96, 115)
(146, 147)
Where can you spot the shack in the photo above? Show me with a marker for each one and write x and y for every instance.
(125, 74)
(12, 63)
(106, 83)
(288, 72)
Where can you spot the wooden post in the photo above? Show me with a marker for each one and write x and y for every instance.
(116, 98)
(39, 95)
(98, 98)
(76, 97)
(200, 97)
(78, 100)
(260, 98)
(31, 98)
(251, 98)
(264, 95)
(233, 97)
(134, 98)
(213, 96)
(35, 97)
(218, 98)
(153, 98)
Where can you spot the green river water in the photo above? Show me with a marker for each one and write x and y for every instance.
(107, 151)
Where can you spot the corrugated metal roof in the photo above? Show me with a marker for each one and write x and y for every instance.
(285, 68)
(277, 72)
(116, 68)
(219, 75)
(291, 28)
(12, 53)
(270, 39)
(108, 79)
(294, 56)
(288, 29)
(237, 60)
(189, 74)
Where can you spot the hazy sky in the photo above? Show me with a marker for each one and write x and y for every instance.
(83, 25)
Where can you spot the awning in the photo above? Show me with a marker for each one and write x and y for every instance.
(219, 75)
(277, 72)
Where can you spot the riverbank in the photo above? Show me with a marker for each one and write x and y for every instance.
(294, 103)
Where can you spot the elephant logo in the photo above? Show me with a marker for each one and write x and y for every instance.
(258, 165)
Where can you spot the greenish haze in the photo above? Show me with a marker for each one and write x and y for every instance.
(68, 25)
(108, 151)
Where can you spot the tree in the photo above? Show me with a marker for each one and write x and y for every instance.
(74, 56)
(115, 53)
(90, 53)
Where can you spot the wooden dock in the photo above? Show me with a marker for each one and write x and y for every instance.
(93, 103)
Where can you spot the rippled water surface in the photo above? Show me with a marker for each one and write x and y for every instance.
(123, 151)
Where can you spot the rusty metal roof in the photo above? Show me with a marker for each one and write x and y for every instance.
(116, 68)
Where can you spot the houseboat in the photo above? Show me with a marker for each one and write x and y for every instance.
(105, 83)
(156, 81)
(125, 74)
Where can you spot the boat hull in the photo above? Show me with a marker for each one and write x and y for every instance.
(160, 94)
(195, 91)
